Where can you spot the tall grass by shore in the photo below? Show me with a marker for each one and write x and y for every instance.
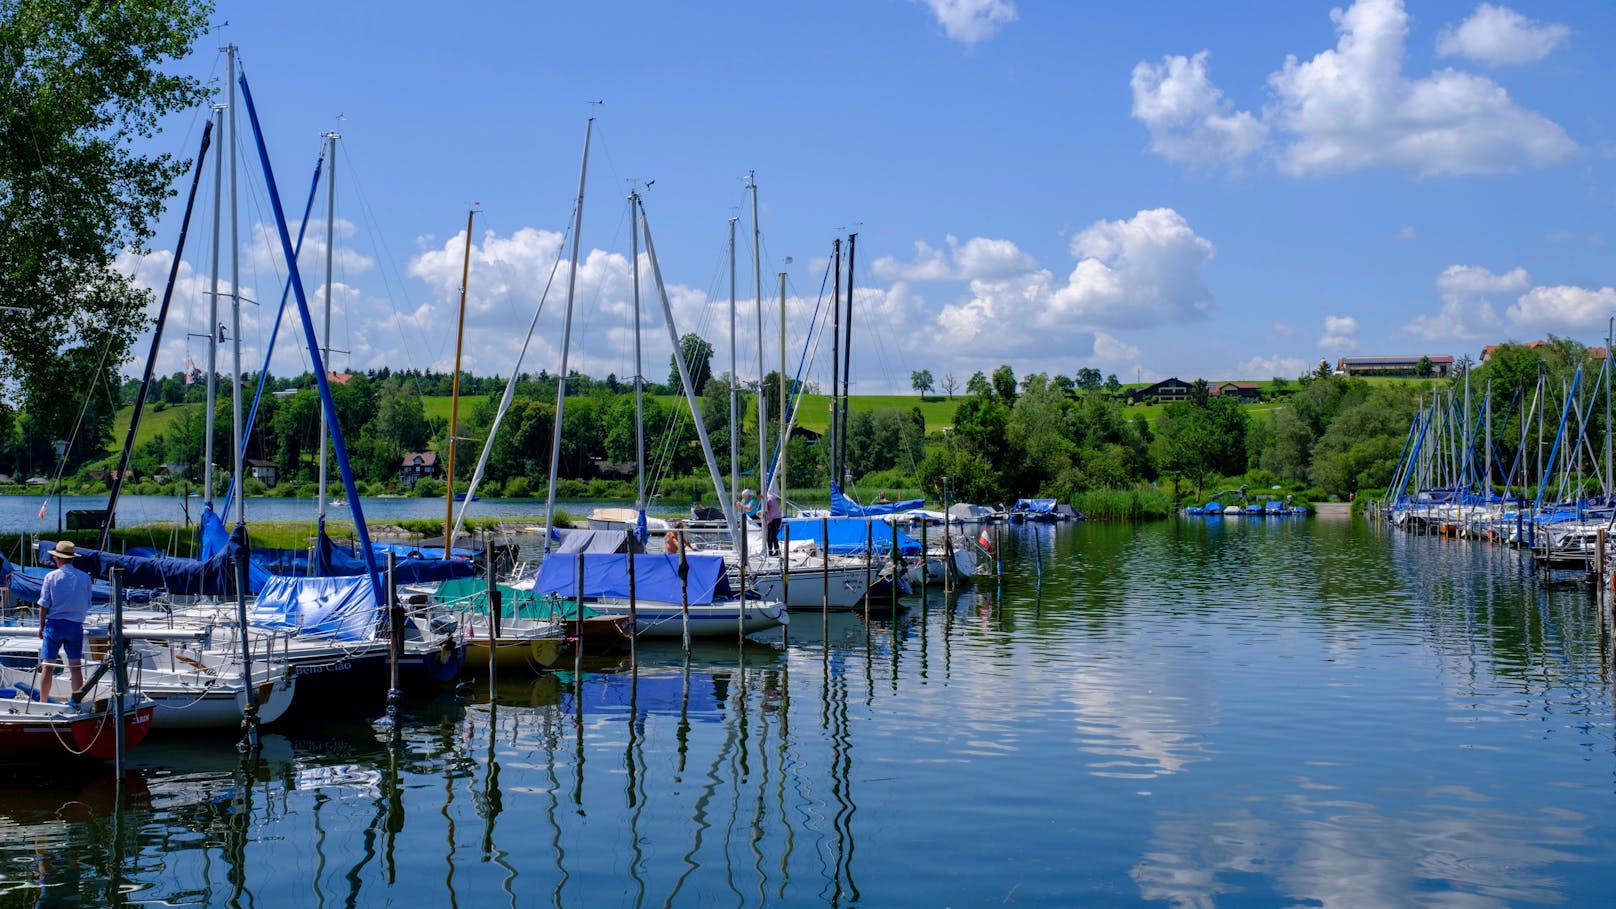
(1141, 503)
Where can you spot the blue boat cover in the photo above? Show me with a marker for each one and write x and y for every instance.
(842, 506)
(343, 609)
(333, 561)
(1034, 506)
(656, 576)
(850, 536)
(26, 584)
(215, 576)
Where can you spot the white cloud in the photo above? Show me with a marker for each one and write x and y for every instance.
(1280, 329)
(1276, 365)
(1564, 308)
(1350, 108)
(1340, 333)
(1468, 312)
(1134, 273)
(1188, 117)
(1498, 36)
(930, 264)
(970, 21)
(1407, 232)
(980, 258)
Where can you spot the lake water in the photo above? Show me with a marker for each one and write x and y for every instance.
(1243, 713)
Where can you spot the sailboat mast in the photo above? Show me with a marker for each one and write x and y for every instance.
(734, 374)
(781, 473)
(325, 350)
(835, 359)
(639, 370)
(237, 461)
(566, 342)
(213, 315)
(454, 393)
(847, 351)
(762, 397)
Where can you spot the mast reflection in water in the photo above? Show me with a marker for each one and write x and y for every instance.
(1255, 712)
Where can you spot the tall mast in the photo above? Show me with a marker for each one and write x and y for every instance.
(781, 473)
(762, 397)
(566, 343)
(734, 374)
(213, 313)
(639, 379)
(835, 358)
(454, 393)
(847, 349)
(235, 309)
(325, 349)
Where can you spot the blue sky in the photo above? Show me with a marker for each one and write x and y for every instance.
(1193, 189)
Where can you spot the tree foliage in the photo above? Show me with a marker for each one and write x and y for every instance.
(83, 84)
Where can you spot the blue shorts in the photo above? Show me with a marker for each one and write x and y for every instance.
(62, 634)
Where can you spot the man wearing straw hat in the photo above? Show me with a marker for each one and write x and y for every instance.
(64, 602)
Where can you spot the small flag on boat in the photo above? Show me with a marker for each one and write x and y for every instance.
(42, 509)
(985, 541)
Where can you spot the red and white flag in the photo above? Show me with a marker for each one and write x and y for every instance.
(985, 541)
(42, 509)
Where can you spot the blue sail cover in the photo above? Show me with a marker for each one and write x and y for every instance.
(656, 576)
(215, 576)
(26, 584)
(333, 561)
(342, 609)
(849, 536)
(216, 540)
(842, 506)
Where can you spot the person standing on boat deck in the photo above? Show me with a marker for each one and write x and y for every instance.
(772, 516)
(748, 504)
(64, 603)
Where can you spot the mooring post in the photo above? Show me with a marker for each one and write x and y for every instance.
(120, 677)
(869, 560)
(395, 638)
(824, 560)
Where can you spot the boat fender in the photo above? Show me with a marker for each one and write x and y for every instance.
(8, 692)
(27, 690)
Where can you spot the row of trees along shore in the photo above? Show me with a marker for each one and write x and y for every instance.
(1319, 436)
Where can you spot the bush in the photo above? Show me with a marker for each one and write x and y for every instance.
(517, 488)
(428, 488)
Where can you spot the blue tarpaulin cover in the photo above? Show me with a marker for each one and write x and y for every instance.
(656, 576)
(212, 576)
(849, 536)
(344, 609)
(26, 582)
(1034, 506)
(842, 506)
(334, 561)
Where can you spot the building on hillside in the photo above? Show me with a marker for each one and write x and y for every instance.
(266, 472)
(1164, 392)
(1594, 353)
(1244, 392)
(1441, 366)
(418, 465)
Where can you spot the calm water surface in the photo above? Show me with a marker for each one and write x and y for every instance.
(1297, 712)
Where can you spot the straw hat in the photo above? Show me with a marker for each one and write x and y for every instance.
(64, 550)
